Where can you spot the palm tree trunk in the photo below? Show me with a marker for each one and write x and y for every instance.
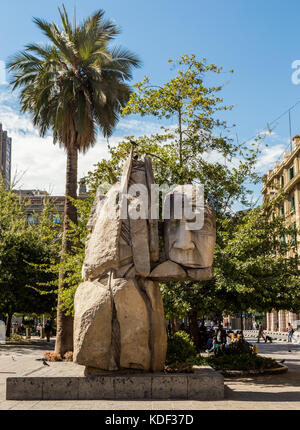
(64, 333)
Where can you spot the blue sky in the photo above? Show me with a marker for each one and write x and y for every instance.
(259, 39)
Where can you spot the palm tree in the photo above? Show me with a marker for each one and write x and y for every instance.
(73, 85)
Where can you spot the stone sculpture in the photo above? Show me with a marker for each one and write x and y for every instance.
(119, 322)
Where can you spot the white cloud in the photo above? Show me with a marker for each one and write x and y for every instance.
(40, 163)
(269, 156)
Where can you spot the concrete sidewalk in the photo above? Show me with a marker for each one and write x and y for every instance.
(255, 393)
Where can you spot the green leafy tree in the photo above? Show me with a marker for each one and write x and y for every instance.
(71, 86)
(25, 287)
(256, 262)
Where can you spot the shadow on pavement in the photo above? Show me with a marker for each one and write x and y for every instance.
(261, 396)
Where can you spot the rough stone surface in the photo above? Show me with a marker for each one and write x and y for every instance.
(92, 324)
(133, 387)
(140, 246)
(102, 248)
(96, 388)
(59, 388)
(158, 330)
(153, 223)
(203, 378)
(202, 385)
(168, 270)
(201, 274)
(164, 387)
(24, 389)
(133, 319)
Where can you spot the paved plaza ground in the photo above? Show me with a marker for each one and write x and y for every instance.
(277, 392)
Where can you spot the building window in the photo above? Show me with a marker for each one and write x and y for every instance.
(282, 210)
(283, 238)
(291, 170)
(282, 180)
(292, 204)
(294, 235)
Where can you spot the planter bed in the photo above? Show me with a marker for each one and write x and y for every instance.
(256, 372)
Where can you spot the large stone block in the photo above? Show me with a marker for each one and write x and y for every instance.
(60, 388)
(92, 325)
(166, 387)
(133, 320)
(96, 388)
(140, 246)
(201, 274)
(132, 387)
(24, 388)
(168, 271)
(158, 330)
(205, 384)
(102, 247)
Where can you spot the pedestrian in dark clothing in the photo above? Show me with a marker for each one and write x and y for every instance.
(290, 332)
(48, 330)
(261, 333)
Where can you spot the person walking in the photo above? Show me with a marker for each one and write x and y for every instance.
(48, 330)
(261, 333)
(290, 332)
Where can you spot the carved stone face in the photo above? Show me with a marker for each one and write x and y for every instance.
(191, 248)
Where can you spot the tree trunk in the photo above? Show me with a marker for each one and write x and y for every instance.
(64, 323)
(8, 325)
(194, 329)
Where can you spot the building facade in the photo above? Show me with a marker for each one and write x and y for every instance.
(5, 157)
(34, 202)
(285, 177)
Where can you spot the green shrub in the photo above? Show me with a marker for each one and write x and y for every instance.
(239, 361)
(180, 348)
(15, 338)
(239, 348)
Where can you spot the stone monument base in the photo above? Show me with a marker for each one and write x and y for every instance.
(203, 384)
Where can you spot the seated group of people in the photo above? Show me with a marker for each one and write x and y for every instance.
(217, 343)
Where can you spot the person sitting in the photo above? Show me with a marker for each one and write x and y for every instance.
(215, 346)
(234, 338)
(209, 342)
